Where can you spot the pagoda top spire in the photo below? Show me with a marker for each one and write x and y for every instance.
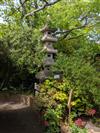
(46, 27)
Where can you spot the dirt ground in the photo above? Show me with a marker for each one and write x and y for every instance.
(21, 119)
(18, 117)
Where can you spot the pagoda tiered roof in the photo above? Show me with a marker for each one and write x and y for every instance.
(48, 38)
(50, 50)
(43, 74)
(46, 28)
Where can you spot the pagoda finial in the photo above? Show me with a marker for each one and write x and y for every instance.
(48, 25)
(48, 19)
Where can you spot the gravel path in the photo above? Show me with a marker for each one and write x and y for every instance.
(14, 119)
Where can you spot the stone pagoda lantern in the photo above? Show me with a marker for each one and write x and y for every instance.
(48, 40)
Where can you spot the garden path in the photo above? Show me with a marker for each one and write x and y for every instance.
(17, 117)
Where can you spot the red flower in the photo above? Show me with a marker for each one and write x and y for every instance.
(79, 122)
(91, 112)
(46, 123)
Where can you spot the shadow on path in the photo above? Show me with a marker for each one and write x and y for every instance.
(22, 120)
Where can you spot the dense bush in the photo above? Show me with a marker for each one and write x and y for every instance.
(54, 96)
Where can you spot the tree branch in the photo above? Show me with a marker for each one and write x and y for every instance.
(75, 37)
(22, 3)
(41, 8)
(67, 32)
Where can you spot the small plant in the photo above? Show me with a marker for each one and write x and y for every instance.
(80, 123)
(76, 129)
(91, 112)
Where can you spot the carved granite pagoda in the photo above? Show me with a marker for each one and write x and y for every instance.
(48, 41)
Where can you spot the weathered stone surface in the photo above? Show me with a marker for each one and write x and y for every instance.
(92, 128)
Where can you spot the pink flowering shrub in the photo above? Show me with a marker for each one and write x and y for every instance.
(91, 112)
(78, 122)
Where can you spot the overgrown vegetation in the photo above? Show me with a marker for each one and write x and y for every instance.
(54, 96)
(77, 24)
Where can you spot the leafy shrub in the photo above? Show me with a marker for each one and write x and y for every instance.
(75, 129)
(54, 96)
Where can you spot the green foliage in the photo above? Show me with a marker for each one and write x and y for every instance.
(52, 116)
(75, 129)
(22, 44)
(54, 97)
(78, 69)
(21, 48)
